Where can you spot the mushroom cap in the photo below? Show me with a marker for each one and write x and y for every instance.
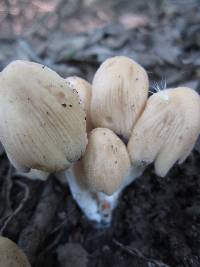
(11, 255)
(119, 94)
(106, 161)
(167, 130)
(42, 123)
(84, 90)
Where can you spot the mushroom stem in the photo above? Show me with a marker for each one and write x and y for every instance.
(98, 206)
(106, 204)
(33, 174)
(86, 200)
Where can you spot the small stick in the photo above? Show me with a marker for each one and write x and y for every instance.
(7, 186)
(34, 234)
(136, 253)
(64, 222)
(19, 208)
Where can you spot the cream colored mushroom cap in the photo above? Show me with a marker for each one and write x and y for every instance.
(105, 162)
(11, 255)
(119, 94)
(42, 123)
(167, 130)
(84, 90)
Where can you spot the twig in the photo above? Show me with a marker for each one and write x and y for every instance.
(58, 227)
(97, 235)
(32, 237)
(19, 208)
(7, 186)
(59, 235)
(52, 245)
(136, 253)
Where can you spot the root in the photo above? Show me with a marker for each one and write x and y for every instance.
(19, 208)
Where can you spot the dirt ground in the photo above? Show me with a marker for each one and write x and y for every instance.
(157, 221)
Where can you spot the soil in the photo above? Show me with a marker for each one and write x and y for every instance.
(157, 221)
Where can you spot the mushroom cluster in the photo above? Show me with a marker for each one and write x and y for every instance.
(130, 131)
(100, 136)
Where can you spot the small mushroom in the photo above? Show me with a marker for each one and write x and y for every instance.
(167, 130)
(11, 255)
(105, 162)
(119, 94)
(43, 126)
(84, 90)
(97, 180)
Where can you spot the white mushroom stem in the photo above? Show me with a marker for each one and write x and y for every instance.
(86, 201)
(98, 207)
(106, 204)
(33, 174)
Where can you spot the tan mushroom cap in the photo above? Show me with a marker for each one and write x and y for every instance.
(84, 90)
(42, 123)
(119, 94)
(106, 161)
(167, 130)
(11, 255)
